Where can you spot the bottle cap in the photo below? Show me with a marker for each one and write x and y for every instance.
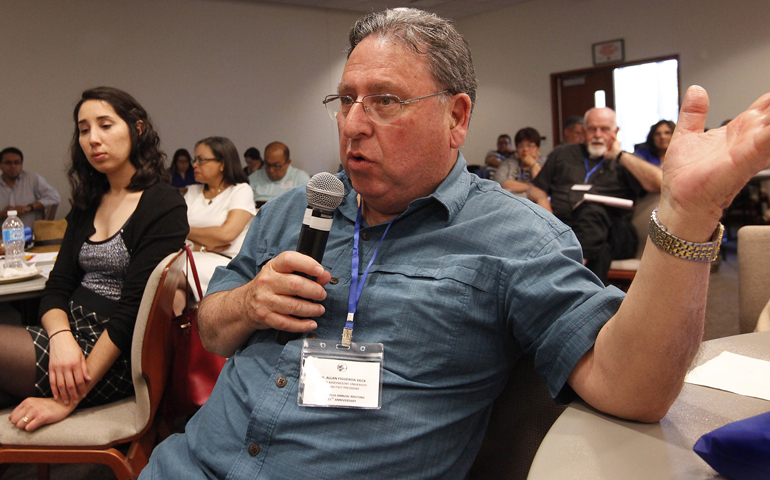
(11, 212)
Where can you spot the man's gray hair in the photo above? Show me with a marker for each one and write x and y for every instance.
(447, 52)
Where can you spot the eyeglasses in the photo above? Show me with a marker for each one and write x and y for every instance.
(202, 161)
(383, 108)
(270, 166)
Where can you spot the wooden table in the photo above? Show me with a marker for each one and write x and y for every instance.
(586, 444)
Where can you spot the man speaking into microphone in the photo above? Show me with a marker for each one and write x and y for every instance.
(434, 282)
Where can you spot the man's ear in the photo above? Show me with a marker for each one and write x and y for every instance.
(460, 117)
(139, 126)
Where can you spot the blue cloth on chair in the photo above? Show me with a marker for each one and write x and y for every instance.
(739, 450)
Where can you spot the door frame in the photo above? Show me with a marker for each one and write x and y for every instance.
(556, 116)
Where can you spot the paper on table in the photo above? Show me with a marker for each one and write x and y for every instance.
(42, 257)
(604, 199)
(611, 201)
(734, 373)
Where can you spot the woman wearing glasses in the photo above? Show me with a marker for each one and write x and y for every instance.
(220, 209)
(124, 220)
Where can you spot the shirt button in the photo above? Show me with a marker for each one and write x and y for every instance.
(253, 449)
(366, 236)
(312, 335)
(281, 382)
(334, 281)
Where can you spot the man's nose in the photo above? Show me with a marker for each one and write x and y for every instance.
(357, 122)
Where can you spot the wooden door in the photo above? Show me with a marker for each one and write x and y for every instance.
(573, 94)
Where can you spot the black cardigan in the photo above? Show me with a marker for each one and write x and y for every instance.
(157, 228)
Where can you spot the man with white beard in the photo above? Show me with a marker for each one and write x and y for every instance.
(599, 167)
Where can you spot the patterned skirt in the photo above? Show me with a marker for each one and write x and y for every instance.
(86, 327)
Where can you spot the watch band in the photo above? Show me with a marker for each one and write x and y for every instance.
(703, 252)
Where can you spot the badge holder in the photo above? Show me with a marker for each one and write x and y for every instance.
(332, 375)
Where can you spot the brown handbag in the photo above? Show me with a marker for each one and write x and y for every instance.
(194, 370)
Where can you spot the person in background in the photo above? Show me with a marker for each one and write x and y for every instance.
(219, 208)
(277, 176)
(515, 174)
(253, 161)
(125, 219)
(181, 170)
(654, 148)
(574, 130)
(495, 158)
(598, 167)
(26, 192)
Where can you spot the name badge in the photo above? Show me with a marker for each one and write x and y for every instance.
(286, 184)
(335, 376)
(581, 187)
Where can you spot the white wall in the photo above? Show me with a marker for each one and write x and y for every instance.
(257, 73)
(253, 73)
(722, 46)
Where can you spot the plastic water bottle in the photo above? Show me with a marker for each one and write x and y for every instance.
(13, 240)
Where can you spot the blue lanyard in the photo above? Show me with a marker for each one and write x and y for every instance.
(356, 284)
(590, 172)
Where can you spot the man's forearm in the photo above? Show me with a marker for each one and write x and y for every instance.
(539, 197)
(222, 322)
(638, 363)
(649, 175)
(515, 186)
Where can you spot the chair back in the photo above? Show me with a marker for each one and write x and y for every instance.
(753, 274)
(50, 212)
(48, 235)
(521, 416)
(150, 349)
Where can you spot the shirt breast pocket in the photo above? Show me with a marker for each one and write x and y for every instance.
(420, 314)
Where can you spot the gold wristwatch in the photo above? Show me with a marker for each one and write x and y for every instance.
(703, 252)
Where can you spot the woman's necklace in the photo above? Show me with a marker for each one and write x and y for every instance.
(219, 190)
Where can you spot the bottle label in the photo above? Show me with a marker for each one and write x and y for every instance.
(14, 235)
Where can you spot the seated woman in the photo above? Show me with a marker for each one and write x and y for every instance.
(220, 209)
(124, 220)
(515, 174)
(654, 149)
(253, 160)
(181, 170)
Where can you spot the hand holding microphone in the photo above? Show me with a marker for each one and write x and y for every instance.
(325, 193)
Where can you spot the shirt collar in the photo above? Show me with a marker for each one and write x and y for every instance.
(451, 193)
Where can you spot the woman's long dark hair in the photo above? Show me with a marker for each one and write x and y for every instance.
(651, 136)
(225, 152)
(89, 185)
(182, 152)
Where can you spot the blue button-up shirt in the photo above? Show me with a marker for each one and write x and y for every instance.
(466, 280)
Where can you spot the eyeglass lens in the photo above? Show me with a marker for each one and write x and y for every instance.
(380, 108)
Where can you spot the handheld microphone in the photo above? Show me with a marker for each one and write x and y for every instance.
(324, 194)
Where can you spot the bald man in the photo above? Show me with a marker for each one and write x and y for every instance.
(599, 167)
(277, 175)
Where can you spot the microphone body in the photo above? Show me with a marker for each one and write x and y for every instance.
(315, 231)
(325, 193)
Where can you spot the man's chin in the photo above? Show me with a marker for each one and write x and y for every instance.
(597, 150)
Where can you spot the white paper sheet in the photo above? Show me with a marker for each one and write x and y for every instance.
(734, 373)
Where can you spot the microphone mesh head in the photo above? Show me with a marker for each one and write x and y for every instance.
(325, 191)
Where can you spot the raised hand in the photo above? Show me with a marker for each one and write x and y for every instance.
(704, 171)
